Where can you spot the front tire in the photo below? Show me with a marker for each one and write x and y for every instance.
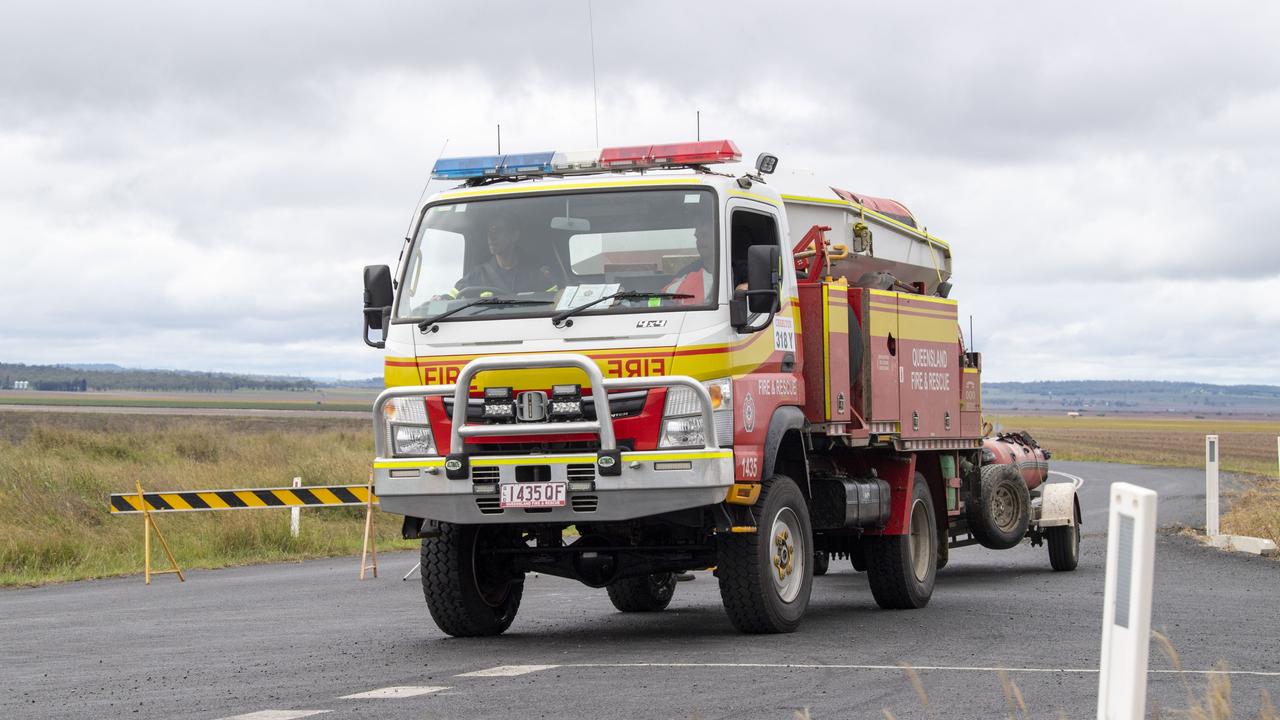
(902, 568)
(468, 592)
(766, 576)
(647, 593)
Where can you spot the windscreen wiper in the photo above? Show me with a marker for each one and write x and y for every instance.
(562, 318)
(430, 323)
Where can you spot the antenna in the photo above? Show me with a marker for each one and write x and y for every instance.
(423, 194)
(698, 116)
(595, 92)
(973, 343)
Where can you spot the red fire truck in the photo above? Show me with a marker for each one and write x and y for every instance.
(623, 364)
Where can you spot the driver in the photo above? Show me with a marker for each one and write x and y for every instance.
(504, 272)
(697, 279)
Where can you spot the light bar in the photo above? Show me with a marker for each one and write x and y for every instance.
(632, 157)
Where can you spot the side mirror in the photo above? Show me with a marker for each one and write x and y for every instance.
(763, 278)
(377, 302)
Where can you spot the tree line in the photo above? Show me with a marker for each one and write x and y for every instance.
(55, 377)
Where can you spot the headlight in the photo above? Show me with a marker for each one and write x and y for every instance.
(682, 415)
(408, 430)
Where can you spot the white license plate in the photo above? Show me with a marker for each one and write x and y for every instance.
(533, 495)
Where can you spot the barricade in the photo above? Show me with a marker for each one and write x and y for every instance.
(146, 504)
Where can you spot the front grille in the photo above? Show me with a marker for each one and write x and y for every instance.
(484, 474)
(585, 503)
(581, 471)
(489, 505)
(544, 448)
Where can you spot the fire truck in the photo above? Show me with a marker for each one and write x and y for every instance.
(620, 365)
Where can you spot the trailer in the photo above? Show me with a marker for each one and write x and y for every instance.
(619, 365)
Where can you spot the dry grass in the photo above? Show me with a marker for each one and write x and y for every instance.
(57, 470)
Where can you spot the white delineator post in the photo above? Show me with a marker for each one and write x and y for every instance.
(1126, 610)
(295, 514)
(1211, 485)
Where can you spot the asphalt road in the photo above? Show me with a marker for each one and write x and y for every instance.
(284, 641)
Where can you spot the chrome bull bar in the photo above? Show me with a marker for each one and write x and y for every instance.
(609, 458)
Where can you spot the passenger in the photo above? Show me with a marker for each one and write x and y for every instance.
(504, 272)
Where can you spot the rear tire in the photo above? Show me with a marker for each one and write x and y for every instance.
(647, 593)
(902, 568)
(1064, 547)
(766, 576)
(1001, 511)
(469, 593)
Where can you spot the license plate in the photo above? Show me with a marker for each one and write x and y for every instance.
(533, 495)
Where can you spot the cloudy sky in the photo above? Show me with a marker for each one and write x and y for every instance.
(197, 185)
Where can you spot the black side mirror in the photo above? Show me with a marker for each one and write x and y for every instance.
(764, 279)
(377, 302)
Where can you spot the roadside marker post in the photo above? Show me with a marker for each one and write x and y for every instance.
(1126, 609)
(1211, 485)
(295, 514)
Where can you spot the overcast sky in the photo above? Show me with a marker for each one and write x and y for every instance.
(197, 185)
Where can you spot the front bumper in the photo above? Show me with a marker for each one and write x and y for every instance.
(650, 483)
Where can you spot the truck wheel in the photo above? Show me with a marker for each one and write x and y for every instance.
(469, 593)
(647, 593)
(999, 515)
(821, 561)
(1064, 546)
(766, 576)
(901, 568)
(858, 558)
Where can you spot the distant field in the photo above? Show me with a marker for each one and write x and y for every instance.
(56, 471)
(344, 399)
(1247, 446)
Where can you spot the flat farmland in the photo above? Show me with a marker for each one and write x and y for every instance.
(1248, 447)
(335, 399)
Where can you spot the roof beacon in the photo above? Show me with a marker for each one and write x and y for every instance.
(634, 157)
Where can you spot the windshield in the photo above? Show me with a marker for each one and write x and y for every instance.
(558, 252)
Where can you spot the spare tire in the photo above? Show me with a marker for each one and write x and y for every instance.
(1000, 511)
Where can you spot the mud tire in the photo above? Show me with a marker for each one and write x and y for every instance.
(900, 570)
(755, 599)
(467, 594)
(1001, 512)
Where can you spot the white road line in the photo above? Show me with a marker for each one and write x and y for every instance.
(900, 668)
(1075, 479)
(399, 691)
(509, 670)
(277, 715)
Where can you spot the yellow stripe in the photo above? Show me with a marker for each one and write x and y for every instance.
(826, 349)
(287, 497)
(133, 503)
(325, 496)
(915, 298)
(661, 457)
(425, 462)
(250, 499)
(175, 501)
(971, 370)
(361, 493)
(912, 327)
(212, 500)
(566, 186)
(879, 216)
(758, 198)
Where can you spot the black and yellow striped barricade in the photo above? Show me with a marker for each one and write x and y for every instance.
(146, 503)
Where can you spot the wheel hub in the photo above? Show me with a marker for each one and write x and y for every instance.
(787, 555)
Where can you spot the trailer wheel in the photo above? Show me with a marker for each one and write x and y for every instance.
(647, 593)
(1064, 545)
(468, 592)
(821, 562)
(766, 576)
(1001, 509)
(902, 568)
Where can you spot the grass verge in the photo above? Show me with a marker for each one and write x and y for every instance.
(57, 470)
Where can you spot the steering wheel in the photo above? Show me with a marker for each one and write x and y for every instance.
(478, 290)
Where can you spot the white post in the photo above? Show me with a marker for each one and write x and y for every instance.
(295, 514)
(1211, 485)
(1126, 609)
